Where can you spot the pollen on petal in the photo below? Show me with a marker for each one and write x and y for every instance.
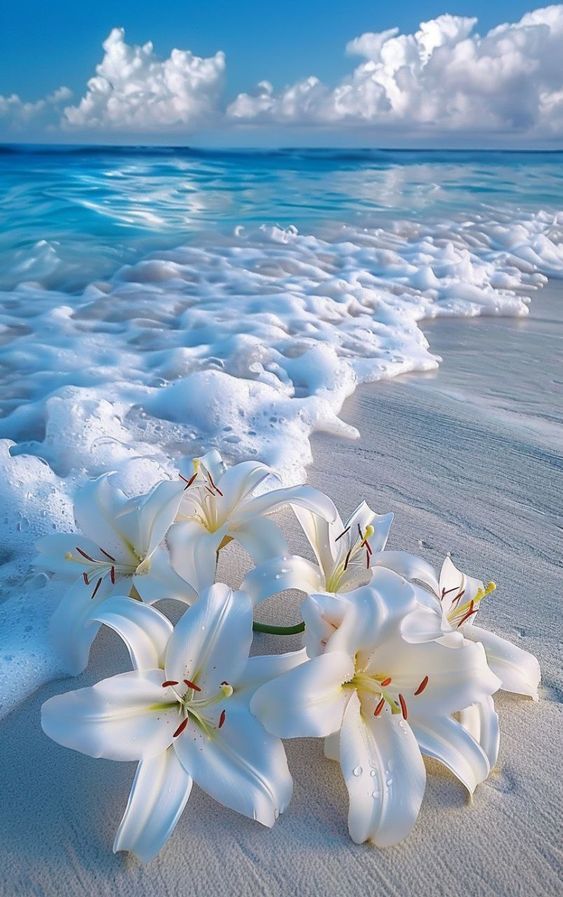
(181, 727)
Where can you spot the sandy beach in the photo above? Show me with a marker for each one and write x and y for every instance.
(469, 459)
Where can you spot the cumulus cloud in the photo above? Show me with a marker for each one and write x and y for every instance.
(18, 113)
(444, 77)
(134, 89)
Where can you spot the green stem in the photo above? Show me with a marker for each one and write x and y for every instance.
(278, 630)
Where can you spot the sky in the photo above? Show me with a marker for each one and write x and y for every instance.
(250, 73)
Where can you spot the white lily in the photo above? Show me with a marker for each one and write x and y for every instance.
(345, 554)
(384, 701)
(183, 713)
(117, 551)
(459, 598)
(219, 505)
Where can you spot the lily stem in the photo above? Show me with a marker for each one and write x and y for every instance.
(278, 630)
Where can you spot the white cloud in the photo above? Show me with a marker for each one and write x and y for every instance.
(444, 77)
(18, 113)
(134, 89)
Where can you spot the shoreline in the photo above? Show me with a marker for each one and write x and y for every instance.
(466, 458)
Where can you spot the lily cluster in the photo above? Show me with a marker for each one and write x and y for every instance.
(393, 667)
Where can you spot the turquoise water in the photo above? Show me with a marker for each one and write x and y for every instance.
(71, 215)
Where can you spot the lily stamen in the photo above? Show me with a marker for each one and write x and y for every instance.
(222, 719)
(181, 727)
(98, 584)
(379, 707)
(84, 555)
(403, 704)
(422, 686)
(169, 682)
(192, 685)
(343, 533)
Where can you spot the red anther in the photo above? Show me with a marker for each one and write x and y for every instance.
(98, 584)
(210, 478)
(222, 719)
(367, 546)
(403, 704)
(422, 686)
(112, 575)
(347, 559)
(458, 597)
(343, 533)
(181, 727)
(188, 482)
(447, 591)
(386, 682)
(379, 707)
(84, 555)
(169, 682)
(108, 555)
(472, 610)
(191, 684)
(368, 558)
(211, 492)
(85, 578)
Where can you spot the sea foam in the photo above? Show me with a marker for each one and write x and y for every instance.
(249, 342)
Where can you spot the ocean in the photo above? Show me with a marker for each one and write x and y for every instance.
(156, 302)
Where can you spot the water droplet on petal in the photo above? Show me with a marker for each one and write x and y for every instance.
(373, 773)
(375, 794)
(357, 771)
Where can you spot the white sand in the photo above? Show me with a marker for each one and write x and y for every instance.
(470, 461)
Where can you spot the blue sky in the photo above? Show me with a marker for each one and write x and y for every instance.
(45, 44)
(358, 89)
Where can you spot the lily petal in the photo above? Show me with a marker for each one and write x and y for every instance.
(159, 793)
(73, 627)
(104, 514)
(518, 670)
(157, 512)
(240, 481)
(457, 676)
(144, 630)
(211, 641)
(408, 565)
(280, 573)
(126, 717)
(302, 496)
(162, 581)
(240, 765)
(384, 774)
(194, 553)
(52, 550)
(321, 536)
(481, 721)
(264, 668)
(449, 742)
(261, 538)
(322, 699)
